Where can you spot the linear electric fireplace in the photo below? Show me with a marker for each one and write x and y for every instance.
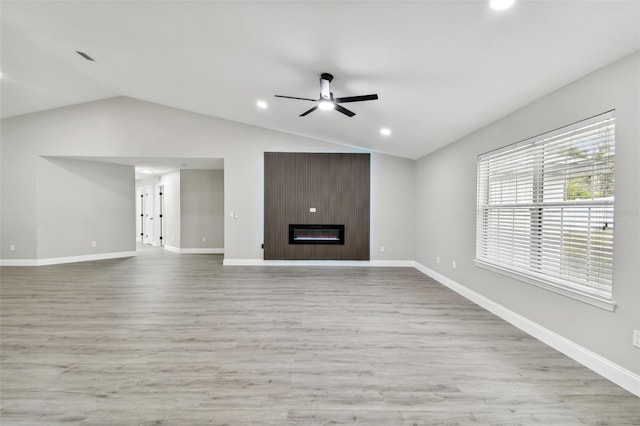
(316, 234)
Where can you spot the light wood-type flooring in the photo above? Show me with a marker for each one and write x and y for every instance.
(167, 339)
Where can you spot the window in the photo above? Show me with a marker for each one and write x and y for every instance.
(545, 210)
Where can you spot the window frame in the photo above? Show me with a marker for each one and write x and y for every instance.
(592, 292)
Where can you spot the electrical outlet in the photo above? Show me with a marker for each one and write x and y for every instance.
(636, 338)
(453, 264)
(94, 244)
(12, 248)
(437, 259)
(204, 239)
(381, 249)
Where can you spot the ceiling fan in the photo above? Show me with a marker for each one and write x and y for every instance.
(327, 101)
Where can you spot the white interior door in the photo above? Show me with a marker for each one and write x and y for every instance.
(159, 215)
(139, 214)
(149, 199)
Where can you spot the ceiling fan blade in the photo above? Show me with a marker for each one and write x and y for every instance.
(309, 111)
(345, 111)
(356, 98)
(293, 97)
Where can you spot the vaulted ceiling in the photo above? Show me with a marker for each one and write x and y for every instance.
(442, 69)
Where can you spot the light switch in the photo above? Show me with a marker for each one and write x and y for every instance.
(312, 210)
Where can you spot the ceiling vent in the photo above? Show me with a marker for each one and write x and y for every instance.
(84, 55)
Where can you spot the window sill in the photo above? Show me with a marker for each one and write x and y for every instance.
(607, 305)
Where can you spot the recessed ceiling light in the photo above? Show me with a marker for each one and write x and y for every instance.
(262, 105)
(326, 105)
(501, 4)
(385, 131)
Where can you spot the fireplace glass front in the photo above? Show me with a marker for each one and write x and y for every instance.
(316, 234)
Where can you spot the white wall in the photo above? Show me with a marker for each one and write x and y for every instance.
(18, 205)
(392, 204)
(81, 202)
(446, 204)
(202, 208)
(171, 216)
(124, 127)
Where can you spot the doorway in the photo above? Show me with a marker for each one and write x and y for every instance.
(180, 206)
(150, 226)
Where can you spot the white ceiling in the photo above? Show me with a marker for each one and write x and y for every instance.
(442, 69)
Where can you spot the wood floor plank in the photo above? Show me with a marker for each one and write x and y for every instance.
(179, 339)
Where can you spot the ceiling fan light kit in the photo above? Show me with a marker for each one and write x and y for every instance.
(326, 105)
(326, 101)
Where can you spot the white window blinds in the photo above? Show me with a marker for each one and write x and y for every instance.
(545, 207)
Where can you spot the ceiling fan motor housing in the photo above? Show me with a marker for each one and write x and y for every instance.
(325, 79)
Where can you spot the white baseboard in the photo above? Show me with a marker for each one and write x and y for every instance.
(609, 370)
(18, 262)
(194, 250)
(201, 251)
(242, 262)
(392, 263)
(368, 263)
(67, 259)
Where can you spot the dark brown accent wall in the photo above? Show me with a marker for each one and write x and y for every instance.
(336, 185)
